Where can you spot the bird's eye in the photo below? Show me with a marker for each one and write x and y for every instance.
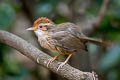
(40, 26)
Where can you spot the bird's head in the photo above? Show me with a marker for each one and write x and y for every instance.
(42, 24)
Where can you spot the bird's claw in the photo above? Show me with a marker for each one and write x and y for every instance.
(38, 60)
(61, 65)
(50, 61)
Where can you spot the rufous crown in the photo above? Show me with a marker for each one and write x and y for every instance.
(42, 20)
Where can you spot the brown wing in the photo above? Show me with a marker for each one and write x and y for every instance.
(76, 32)
(67, 41)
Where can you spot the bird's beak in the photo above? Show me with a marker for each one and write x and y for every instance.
(29, 28)
(32, 28)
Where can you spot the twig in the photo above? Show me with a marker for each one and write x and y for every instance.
(33, 53)
(101, 13)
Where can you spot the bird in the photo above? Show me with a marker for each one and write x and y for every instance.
(64, 38)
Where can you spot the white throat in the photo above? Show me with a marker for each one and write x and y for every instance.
(39, 33)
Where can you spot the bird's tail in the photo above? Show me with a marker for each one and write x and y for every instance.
(98, 42)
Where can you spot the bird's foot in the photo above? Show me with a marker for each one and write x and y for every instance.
(61, 65)
(50, 61)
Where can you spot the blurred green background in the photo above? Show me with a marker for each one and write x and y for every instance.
(18, 15)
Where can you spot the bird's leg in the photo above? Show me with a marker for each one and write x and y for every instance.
(63, 63)
(52, 59)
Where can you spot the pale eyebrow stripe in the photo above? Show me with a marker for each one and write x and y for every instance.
(43, 24)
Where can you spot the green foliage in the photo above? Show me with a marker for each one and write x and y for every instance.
(111, 59)
(7, 15)
(43, 9)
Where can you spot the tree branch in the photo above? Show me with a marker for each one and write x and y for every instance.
(101, 13)
(33, 53)
(100, 17)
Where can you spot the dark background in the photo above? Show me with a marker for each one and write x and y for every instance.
(97, 18)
